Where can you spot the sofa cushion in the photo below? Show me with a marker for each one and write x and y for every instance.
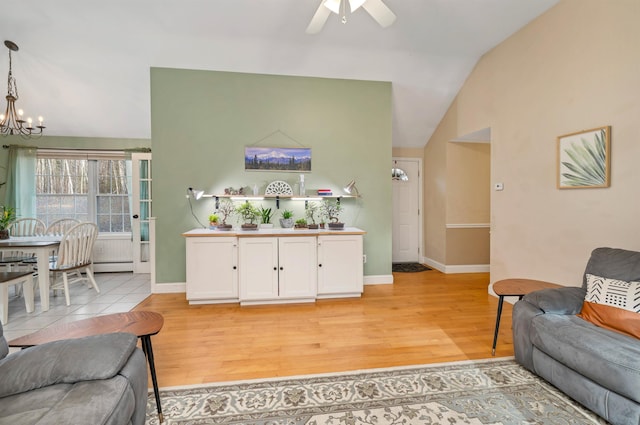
(613, 263)
(609, 358)
(66, 361)
(108, 401)
(613, 304)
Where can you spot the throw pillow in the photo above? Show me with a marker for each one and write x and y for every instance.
(612, 304)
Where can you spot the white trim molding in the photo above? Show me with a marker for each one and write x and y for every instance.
(169, 288)
(460, 268)
(383, 279)
(181, 287)
(469, 226)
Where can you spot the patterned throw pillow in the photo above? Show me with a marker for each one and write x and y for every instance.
(612, 304)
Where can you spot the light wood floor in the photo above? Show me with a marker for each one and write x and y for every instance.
(426, 317)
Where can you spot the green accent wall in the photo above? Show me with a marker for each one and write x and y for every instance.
(201, 122)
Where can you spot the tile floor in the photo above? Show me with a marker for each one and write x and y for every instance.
(119, 292)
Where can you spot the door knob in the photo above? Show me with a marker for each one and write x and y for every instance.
(135, 216)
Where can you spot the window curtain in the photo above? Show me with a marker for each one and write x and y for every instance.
(21, 181)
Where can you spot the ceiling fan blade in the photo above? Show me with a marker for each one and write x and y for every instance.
(355, 4)
(333, 5)
(318, 20)
(380, 12)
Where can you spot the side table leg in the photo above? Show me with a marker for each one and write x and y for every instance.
(495, 334)
(148, 351)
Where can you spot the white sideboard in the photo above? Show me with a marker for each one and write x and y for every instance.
(273, 265)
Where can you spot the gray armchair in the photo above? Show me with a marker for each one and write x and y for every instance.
(100, 379)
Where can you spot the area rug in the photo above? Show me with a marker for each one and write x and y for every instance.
(492, 392)
(408, 267)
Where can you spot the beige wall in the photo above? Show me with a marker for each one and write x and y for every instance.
(575, 67)
(408, 152)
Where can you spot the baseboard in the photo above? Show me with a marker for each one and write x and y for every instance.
(434, 264)
(461, 268)
(176, 288)
(168, 288)
(383, 279)
(112, 267)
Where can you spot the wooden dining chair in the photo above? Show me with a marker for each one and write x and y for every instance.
(75, 255)
(21, 260)
(27, 227)
(59, 227)
(21, 227)
(25, 279)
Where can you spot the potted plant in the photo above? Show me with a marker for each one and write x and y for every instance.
(214, 220)
(265, 217)
(311, 212)
(226, 210)
(8, 217)
(286, 221)
(301, 223)
(332, 211)
(248, 213)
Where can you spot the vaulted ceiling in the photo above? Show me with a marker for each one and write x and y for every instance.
(84, 65)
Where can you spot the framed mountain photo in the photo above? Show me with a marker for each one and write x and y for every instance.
(277, 159)
(584, 159)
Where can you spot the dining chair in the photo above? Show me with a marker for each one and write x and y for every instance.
(75, 255)
(27, 227)
(59, 227)
(20, 260)
(23, 278)
(21, 227)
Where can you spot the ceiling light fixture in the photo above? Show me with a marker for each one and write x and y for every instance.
(376, 8)
(12, 121)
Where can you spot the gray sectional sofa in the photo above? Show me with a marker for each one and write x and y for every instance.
(595, 366)
(95, 380)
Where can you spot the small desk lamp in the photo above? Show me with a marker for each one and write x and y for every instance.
(351, 189)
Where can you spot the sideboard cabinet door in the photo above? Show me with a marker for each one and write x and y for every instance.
(212, 269)
(340, 266)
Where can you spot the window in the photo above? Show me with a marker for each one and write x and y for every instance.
(88, 189)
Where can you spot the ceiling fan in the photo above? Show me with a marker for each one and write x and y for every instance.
(376, 8)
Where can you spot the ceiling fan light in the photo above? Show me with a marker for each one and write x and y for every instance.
(355, 4)
(333, 5)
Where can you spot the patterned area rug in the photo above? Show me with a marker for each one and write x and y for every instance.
(408, 267)
(492, 392)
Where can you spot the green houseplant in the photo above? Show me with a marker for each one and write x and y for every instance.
(214, 220)
(8, 217)
(249, 213)
(311, 212)
(226, 210)
(265, 216)
(331, 210)
(301, 223)
(286, 221)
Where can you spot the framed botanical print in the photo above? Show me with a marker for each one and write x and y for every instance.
(584, 159)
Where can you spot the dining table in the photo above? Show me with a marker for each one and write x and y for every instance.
(42, 247)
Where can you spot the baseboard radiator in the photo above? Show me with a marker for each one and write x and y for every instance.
(113, 253)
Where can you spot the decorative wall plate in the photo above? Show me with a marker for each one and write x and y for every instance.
(278, 187)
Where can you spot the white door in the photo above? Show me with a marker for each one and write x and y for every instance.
(141, 210)
(406, 210)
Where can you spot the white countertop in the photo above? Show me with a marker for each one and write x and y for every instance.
(276, 231)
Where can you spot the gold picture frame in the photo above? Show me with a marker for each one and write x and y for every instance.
(584, 159)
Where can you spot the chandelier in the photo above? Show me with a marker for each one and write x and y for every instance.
(12, 122)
